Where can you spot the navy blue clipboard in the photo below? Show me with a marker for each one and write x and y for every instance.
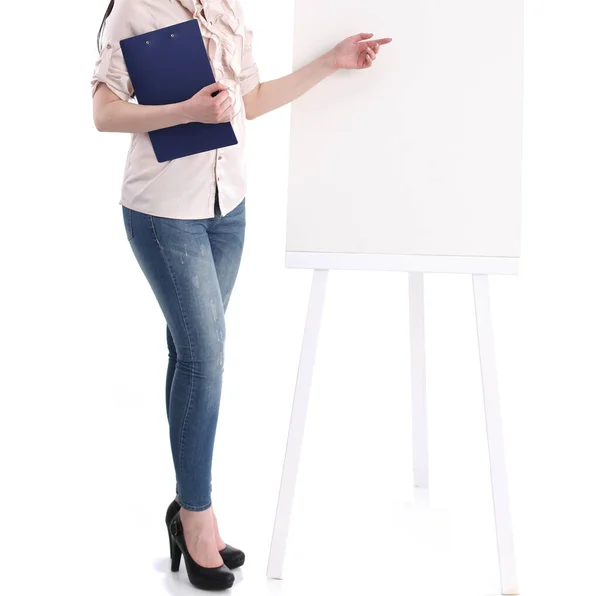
(170, 65)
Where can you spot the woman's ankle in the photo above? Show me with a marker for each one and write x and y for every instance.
(199, 535)
(197, 519)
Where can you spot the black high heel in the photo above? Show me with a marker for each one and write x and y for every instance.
(232, 557)
(205, 578)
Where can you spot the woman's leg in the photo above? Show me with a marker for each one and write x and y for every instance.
(176, 258)
(227, 243)
(226, 236)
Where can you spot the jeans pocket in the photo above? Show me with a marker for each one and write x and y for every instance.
(127, 220)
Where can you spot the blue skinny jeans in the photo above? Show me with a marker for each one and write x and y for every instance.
(191, 266)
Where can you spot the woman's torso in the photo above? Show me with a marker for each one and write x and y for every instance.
(184, 188)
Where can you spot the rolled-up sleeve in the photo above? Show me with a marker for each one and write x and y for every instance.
(127, 19)
(110, 69)
(249, 75)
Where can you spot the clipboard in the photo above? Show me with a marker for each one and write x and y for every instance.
(170, 65)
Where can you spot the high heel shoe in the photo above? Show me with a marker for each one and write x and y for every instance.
(232, 557)
(205, 578)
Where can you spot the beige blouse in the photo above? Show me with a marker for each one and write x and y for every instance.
(183, 188)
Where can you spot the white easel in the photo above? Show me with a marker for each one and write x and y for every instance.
(479, 268)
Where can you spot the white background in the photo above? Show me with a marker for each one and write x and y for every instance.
(85, 459)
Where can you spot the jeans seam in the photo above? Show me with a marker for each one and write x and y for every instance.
(185, 324)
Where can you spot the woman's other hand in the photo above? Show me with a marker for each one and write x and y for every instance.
(203, 107)
(356, 52)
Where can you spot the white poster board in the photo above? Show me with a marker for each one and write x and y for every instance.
(414, 164)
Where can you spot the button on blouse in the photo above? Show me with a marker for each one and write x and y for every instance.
(183, 188)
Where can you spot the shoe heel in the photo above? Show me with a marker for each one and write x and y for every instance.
(175, 554)
(205, 578)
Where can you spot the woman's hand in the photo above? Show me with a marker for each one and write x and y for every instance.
(203, 107)
(355, 52)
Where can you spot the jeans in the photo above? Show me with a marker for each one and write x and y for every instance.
(191, 266)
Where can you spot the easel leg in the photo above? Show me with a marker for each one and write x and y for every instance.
(419, 397)
(504, 535)
(297, 422)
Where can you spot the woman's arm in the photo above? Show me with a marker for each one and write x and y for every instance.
(353, 52)
(113, 114)
(271, 95)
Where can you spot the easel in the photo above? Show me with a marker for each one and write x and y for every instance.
(416, 266)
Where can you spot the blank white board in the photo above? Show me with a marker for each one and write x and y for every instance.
(420, 154)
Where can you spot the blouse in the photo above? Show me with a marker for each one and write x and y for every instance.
(183, 188)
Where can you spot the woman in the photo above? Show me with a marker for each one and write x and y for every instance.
(185, 222)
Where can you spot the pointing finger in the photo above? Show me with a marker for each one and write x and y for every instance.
(381, 42)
